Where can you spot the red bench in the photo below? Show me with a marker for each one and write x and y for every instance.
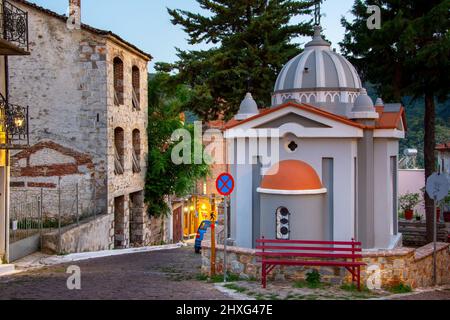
(290, 253)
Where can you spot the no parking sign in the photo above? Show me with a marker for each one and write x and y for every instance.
(225, 184)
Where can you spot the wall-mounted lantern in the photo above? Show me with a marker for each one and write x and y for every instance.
(14, 124)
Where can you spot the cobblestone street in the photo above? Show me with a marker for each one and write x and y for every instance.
(158, 275)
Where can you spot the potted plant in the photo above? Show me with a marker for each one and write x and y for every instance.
(408, 202)
(418, 217)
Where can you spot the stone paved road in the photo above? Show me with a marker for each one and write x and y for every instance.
(159, 275)
(432, 295)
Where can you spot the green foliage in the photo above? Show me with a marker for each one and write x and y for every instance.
(413, 45)
(251, 40)
(312, 281)
(313, 278)
(219, 278)
(235, 287)
(415, 114)
(164, 178)
(400, 288)
(351, 287)
(409, 201)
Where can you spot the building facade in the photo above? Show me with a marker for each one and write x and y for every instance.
(89, 88)
(321, 163)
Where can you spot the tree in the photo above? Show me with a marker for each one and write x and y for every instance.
(164, 177)
(409, 55)
(251, 39)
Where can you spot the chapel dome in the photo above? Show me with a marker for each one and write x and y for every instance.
(317, 71)
(291, 175)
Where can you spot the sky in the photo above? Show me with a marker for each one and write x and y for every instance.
(146, 23)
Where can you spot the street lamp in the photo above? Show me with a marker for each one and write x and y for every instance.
(14, 124)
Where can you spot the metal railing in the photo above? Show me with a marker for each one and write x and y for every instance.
(136, 162)
(136, 104)
(46, 210)
(14, 25)
(118, 163)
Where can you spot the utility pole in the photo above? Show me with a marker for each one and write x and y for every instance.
(213, 235)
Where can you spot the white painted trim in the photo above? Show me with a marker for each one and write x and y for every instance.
(364, 115)
(389, 133)
(244, 116)
(292, 192)
(337, 129)
(298, 80)
(320, 72)
(284, 74)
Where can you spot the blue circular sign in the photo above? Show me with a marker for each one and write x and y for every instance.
(225, 184)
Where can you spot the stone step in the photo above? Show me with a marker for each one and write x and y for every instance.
(6, 269)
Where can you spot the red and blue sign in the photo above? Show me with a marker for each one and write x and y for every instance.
(225, 184)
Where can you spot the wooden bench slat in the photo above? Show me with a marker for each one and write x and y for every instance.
(307, 248)
(309, 255)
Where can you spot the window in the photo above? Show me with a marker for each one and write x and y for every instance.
(118, 82)
(292, 146)
(119, 151)
(136, 152)
(283, 227)
(136, 85)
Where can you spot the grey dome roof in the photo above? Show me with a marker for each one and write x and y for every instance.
(363, 103)
(318, 67)
(248, 107)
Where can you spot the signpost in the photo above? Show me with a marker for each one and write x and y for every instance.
(225, 186)
(437, 189)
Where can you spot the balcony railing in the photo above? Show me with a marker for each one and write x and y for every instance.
(14, 126)
(14, 25)
(118, 166)
(136, 104)
(136, 162)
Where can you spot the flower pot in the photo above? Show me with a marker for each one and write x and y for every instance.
(447, 216)
(409, 214)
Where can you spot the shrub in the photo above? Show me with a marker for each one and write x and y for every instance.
(313, 278)
(400, 288)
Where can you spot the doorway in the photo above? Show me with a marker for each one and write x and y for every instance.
(119, 223)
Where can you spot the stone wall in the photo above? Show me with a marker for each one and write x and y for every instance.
(403, 265)
(95, 235)
(64, 83)
(68, 81)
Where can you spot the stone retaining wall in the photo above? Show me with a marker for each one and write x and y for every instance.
(95, 235)
(403, 265)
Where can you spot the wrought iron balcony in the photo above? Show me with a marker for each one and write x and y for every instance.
(14, 126)
(13, 29)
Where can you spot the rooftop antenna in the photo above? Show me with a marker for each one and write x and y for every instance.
(317, 14)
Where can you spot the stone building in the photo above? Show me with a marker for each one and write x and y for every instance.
(89, 92)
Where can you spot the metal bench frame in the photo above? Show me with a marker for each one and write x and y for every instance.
(337, 254)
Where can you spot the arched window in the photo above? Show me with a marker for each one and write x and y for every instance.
(136, 84)
(136, 152)
(118, 82)
(119, 151)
